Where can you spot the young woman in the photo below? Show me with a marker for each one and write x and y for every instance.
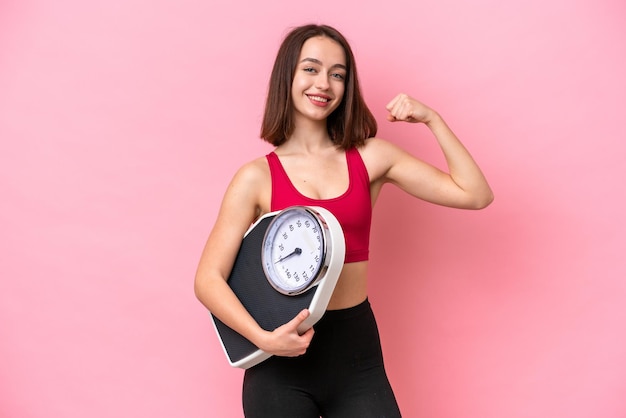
(326, 155)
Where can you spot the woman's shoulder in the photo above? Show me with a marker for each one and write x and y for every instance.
(250, 187)
(378, 156)
(376, 145)
(253, 172)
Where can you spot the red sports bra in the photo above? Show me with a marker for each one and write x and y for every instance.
(353, 209)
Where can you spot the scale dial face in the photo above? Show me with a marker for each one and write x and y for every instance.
(294, 250)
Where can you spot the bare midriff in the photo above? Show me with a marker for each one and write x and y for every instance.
(351, 288)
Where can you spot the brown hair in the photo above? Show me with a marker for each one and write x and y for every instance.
(348, 126)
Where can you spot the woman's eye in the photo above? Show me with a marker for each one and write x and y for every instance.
(338, 76)
(309, 69)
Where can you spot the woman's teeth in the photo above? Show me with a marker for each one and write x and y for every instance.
(319, 99)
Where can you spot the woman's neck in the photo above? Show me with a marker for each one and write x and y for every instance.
(309, 137)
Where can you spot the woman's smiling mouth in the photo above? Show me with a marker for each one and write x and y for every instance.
(318, 100)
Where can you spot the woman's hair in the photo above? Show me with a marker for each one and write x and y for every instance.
(348, 126)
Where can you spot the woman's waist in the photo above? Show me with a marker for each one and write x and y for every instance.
(351, 287)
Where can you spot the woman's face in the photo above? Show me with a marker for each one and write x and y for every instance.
(319, 80)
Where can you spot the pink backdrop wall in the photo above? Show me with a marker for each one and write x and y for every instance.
(121, 123)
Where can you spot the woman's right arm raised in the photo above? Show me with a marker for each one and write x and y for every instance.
(240, 206)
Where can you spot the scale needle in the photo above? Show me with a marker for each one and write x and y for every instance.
(297, 251)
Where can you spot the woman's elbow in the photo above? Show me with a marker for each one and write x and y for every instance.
(482, 201)
(200, 286)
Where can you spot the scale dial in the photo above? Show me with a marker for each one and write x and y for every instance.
(295, 248)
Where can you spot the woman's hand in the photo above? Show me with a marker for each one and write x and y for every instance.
(285, 340)
(406, 109)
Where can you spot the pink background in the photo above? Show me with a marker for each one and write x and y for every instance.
(121, 123)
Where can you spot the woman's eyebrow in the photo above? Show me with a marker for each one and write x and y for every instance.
(316, 61)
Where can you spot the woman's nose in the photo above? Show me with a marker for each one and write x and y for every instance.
(321, 82)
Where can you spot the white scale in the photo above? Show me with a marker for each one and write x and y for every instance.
(289, 260)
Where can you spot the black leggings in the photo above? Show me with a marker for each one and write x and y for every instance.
(341, 375)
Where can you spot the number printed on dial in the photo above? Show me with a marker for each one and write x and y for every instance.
(293, 250)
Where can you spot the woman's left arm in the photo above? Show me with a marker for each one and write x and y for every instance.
(463, 186)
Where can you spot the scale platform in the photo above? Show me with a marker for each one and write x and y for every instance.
(267, 306)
